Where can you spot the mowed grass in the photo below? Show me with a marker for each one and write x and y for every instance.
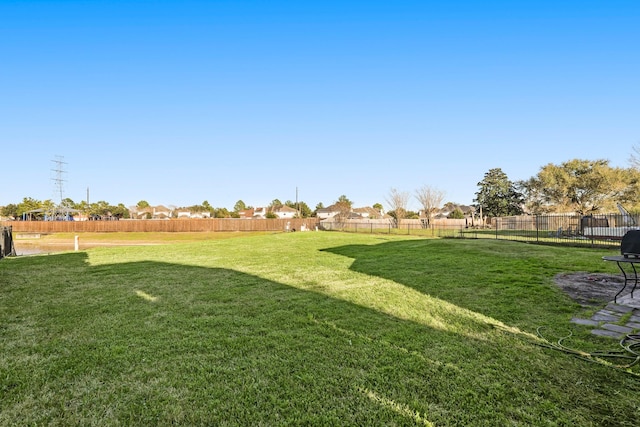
(311, 328)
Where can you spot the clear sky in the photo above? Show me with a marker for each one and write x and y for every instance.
(177, 102)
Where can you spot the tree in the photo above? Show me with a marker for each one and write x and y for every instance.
(10, 211)
(412, 215)
(239, 206)
(345, 199)
(498, 196)
(221, 213)
(49, 207)
(29, 204)
(581, 186)
(397, 201)
(304, 211)
(378, 207)
(275, 204)
(634, 158)
(207, 206)
(101, 208)
(456, 214)
(119, 211)
(430, 198)
(142, 204)
(343, 206)
(83, 207)
(69, 203)
(536, 201)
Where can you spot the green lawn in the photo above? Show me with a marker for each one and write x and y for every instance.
(316, 328)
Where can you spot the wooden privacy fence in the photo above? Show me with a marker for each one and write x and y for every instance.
(173, 225)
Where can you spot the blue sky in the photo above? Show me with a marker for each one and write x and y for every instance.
(177, 102)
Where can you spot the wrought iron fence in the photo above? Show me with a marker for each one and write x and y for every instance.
(599, 230)
(416, 227)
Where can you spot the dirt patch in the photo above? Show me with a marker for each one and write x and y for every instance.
(590, 289)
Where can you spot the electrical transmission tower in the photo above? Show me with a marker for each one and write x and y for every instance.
(60, 210)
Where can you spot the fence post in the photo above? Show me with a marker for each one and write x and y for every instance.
(7, 247)
(537, 229)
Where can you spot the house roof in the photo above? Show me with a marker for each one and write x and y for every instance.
(285, 208)
(368, 210)
(333, 208)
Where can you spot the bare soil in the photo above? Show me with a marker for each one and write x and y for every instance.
(590, 289)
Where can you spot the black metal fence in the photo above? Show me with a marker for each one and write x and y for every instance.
(416, 227)
(599, 230)
(6, 242)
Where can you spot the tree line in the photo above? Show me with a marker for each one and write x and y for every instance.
(38, 209)
(575, 186)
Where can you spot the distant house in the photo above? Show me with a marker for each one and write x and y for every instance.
(201, 214)
(357, 213)
(447, 209)
(246, 213)
(285, 212)
(150, 212)
(326, 213)
(368, 212)
(260, 213)
(188, 214)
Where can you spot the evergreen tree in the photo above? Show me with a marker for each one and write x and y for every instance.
(498, 196)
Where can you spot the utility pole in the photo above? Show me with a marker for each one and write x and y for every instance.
(297, 204)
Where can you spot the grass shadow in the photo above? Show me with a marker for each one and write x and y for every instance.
(154, 343)
(510, 282)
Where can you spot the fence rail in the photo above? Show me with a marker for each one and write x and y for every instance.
(173, 225)
(604, 230)
(601, 230)
(434, 228)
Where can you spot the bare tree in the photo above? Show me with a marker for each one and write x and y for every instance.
(430, 198)
(397, 201)
(343, 206)
(634, 158)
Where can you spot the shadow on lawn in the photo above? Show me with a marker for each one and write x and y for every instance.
(259, 350)
(505, 288)
(213, 345)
